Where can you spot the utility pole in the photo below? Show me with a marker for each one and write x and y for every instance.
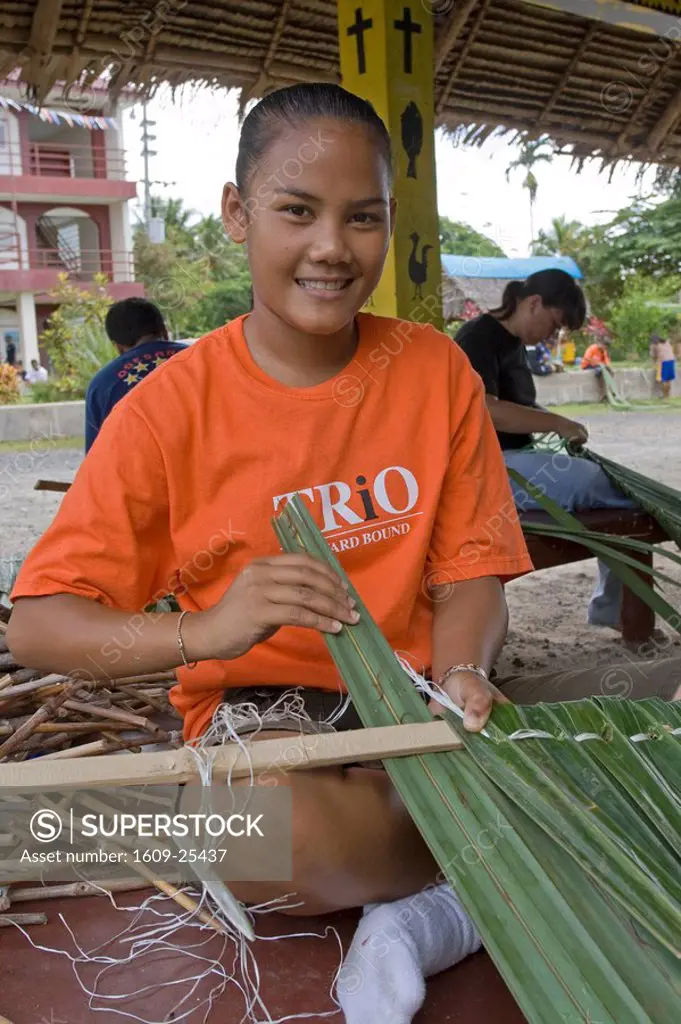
(147, 153)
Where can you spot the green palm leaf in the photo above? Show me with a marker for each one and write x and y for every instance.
(621, 565)
(660, 501)
(570, 872)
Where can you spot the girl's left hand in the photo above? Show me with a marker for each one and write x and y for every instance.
(474, 696)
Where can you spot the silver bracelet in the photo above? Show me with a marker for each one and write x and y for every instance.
(180, 641)
(476, 670)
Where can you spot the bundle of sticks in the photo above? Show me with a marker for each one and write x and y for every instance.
(55, 717)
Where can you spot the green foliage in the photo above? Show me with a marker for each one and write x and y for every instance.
(566, 238)
(9, 385)
(75, 340)
(642, 240)
(463, 240)
(171, 280)
(198, 277)
(221, 303)
(635, 315)
(644, 237)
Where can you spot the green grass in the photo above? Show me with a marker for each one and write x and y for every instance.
(578, 409)
(42, 444)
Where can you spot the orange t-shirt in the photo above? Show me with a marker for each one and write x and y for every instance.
(396, 456)
(595, 355)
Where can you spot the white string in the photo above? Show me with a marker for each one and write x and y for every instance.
(335, 716)
(436, 692)
(152, 930)
(433, 691)
(145, 940)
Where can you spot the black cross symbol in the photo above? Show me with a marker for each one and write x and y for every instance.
(409, 27)
(358, 29)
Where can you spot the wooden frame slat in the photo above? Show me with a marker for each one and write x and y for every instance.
(288, 753)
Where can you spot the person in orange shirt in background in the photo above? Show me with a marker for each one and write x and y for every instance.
(406, 482)
(595, 358)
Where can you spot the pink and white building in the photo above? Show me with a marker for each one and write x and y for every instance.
(63, 206)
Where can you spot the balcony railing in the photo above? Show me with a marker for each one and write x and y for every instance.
(80, 265)
(11, 257)
(62, 160)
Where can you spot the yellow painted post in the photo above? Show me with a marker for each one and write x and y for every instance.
(386, 51)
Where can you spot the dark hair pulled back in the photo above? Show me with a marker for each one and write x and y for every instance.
(292, 107)
(556, 289)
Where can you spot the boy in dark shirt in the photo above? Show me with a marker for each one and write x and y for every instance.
(138, 331)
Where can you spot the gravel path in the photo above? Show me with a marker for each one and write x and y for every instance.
(548, 609)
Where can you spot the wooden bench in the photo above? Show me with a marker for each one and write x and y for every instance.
(638, 619)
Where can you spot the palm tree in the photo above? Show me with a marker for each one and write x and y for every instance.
(566, 238)
(530, 154)
(173, 212)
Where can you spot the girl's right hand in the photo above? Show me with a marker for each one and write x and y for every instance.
(571, 430)
(285, 590)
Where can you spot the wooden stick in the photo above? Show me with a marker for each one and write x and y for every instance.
(157, 704)
(8, 662)
(55, 892)
(98, 747)
(21, 689)
(120, 744)
(52, 485)
(292, 753)
(47, 710)
(77, 728)
(11, 919)
(181, 898)
(40, 744)
(55, 681)
(25, 675)
(117, 716)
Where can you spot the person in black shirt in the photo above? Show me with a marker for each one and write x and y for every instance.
(495, 344)
(532, 311)
(138, 331)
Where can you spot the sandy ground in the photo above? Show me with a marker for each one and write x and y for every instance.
(548, 609)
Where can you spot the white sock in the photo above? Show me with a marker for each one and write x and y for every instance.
(398, 945)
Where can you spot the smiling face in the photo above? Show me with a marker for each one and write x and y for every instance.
(317, 221)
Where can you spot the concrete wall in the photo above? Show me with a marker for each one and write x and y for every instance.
(67, 419)
(580, 386)
(43, 421)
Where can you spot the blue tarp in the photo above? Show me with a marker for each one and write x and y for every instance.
(503, 268)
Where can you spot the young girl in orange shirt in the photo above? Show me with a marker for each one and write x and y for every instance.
(381, 425)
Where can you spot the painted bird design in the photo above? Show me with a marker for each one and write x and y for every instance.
(412, 135)
(418, 268)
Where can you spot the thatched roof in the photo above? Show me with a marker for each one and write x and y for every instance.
(606, 90)
(482, 279)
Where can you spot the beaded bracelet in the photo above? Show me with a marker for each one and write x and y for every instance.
(476, 670)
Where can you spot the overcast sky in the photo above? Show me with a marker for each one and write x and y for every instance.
(197, 136)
